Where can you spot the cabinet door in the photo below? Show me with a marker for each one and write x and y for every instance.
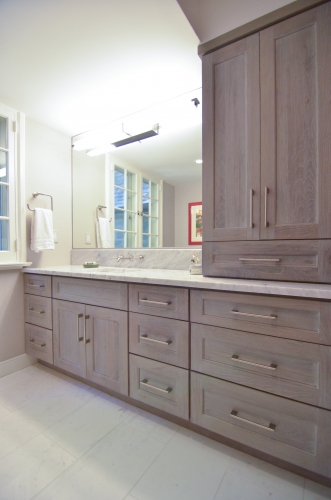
(295, 127)
(68, 335)
(231, 142)
(107, 348)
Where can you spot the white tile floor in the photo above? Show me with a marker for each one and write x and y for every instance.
(62, 440)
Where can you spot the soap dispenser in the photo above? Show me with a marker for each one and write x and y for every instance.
(195, 267)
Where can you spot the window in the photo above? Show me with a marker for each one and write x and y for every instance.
(150, 204)
(11, 150)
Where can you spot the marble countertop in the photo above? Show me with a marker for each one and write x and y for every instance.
(185, 279)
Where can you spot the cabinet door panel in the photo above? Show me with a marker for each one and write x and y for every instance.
(295, 115)
(68, 335)
(231, 139)
(107, 348)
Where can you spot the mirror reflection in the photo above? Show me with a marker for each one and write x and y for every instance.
(134, 178)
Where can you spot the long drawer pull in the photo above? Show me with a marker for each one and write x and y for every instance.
(87, 341)
(36, 312)
(167, 342)
(156, 302)
(37, 345)
(80, 339)
(145, 382)
(273, 366)
(234, 311)
(251, 223)
(270, 427)
(243, 259)
(35, 286)
(266, 191)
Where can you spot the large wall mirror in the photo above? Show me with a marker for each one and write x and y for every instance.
(134, 178)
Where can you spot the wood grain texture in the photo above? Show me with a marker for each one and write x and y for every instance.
(297, 319)
(302, 370)
(305, 261)
(161, 376)
(294, 160)
(36, 284)
(107, 348)
(39, 342)
(69, 352)
(93, 292)
(38, 310)
(256, 25)
(231, 136)
(173, 301)
(301, 431)
(161, 329)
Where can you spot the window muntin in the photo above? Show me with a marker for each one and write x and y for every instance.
(150, 210)
(4, 185)
(125, 208)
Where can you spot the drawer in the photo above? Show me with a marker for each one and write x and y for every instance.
(289, 368)
(162, 339)
(37, 284)
(283, 260)
(298, 319)
(166, 301)
(92, 292)
(295, 432)
(39, 342)
(160, 385)
(38, 310)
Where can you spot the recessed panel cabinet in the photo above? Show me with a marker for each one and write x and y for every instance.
(267, 155)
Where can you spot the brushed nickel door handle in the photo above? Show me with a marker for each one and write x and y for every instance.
(36, 312)
(35, 344)
(270, 427)
(35, 286)
(146, 384)
(167, 342)
(80, 339)
(234, 311)
(273, 366)
(266, 191)
(87, 341)
(156, 302)
(251, 223)
(258, 260)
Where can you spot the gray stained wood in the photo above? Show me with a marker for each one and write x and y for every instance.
(39, 342)
(258, 24)
(38, 284)
(288, 368)
(300, 432)
(38, 310)
(231, 139)
(68, 336)
(106, 344)
(155, 300)
(295, 64)
(167, 389)
(298, 319)
(305, 261)
(162, 339)
(96, 293)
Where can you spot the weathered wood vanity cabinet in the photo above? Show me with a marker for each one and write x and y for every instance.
(267, 155)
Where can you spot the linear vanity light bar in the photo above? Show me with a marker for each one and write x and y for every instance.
(139, 137)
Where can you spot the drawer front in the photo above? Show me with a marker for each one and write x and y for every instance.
(162, 339)
(306, 261)
(160, 385)
(166, 301)
(92, 292)
(38, 311)
(295, 432)
(289, 368)
(298, 319)
(37, 284)
(39, 342)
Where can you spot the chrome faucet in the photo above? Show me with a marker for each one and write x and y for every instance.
(130, 257)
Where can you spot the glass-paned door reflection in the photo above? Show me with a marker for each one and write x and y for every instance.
(125, 208)
(150, 214)
(4, 185)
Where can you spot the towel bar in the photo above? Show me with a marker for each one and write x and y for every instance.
(41, 194)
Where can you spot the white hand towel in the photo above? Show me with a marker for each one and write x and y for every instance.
(42, 235)
(103, 233)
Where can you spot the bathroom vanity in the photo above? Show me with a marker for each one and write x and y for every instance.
(246, 362)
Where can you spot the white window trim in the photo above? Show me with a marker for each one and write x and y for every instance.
(17, 260)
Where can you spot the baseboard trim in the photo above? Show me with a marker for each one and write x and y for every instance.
(14, 364)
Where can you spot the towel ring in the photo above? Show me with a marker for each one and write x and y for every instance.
(41, 194)
(100, 207)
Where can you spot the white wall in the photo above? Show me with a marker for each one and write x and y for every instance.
(212, 18)
(168, 210)
(185, 194)
(11, 315)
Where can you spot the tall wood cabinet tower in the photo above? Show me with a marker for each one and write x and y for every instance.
(267, 153)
